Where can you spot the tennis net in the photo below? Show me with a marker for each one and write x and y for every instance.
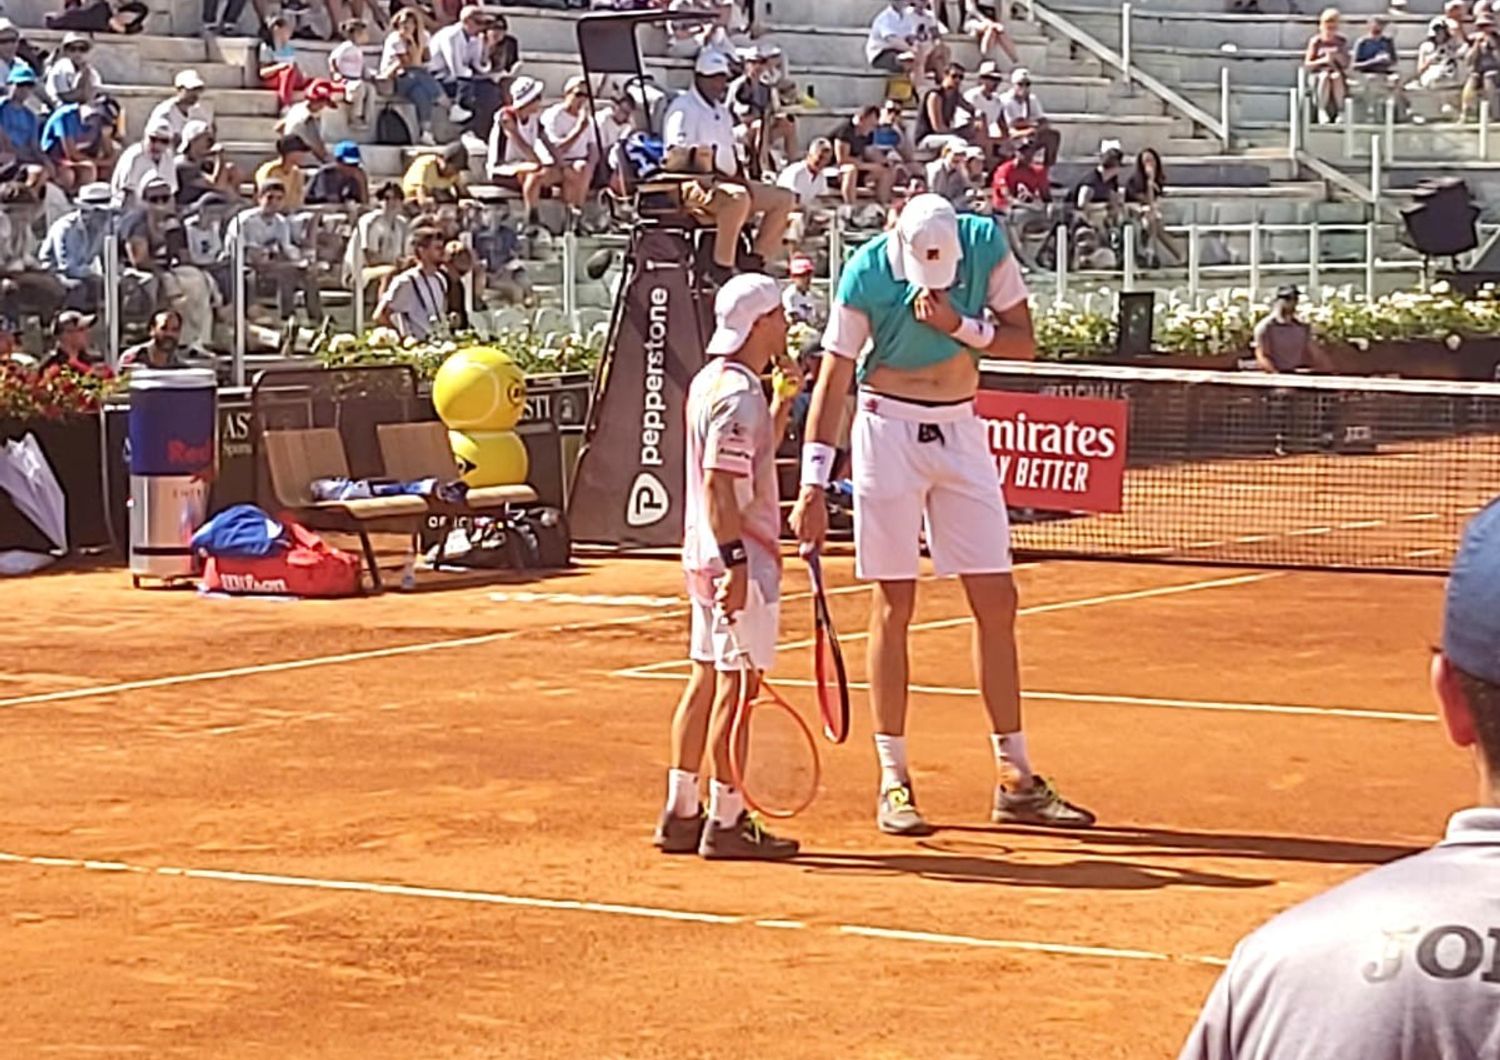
(1305, 471)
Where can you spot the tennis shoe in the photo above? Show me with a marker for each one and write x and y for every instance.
(678, 835)
(898, 813)
(1039, 804)
(745, 840)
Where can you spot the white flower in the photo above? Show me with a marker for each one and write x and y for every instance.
(1453, 342)
(383, 339)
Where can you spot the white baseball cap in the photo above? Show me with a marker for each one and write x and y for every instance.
(1020, 75)
(188, 80)
(574, 83)
(191, 130)
(739, 304)
(989, 69)
(711, 63)
(927, 234)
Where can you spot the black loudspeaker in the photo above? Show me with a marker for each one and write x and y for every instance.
(1442, 220)
(1137, 319)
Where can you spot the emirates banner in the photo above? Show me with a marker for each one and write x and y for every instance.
(628, 486)
(1061, 454)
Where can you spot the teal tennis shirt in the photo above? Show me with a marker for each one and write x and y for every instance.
(898, 339)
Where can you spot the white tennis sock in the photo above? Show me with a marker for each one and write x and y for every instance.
(682, 793)
(725, 804)
(891, 751)
(1010, 759)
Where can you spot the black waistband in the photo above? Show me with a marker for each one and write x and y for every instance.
(924, 402)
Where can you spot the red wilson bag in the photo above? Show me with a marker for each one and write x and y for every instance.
(311, 567)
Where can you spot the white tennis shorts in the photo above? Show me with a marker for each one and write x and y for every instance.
(914, 463)
(754, 630)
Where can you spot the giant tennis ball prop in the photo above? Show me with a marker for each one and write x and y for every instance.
(479, 388)
(490, 458)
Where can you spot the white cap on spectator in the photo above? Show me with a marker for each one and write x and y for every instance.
(574, 83)
(738, 307)
(161, 128)
(990, 69)
(927, 233)
(6, 25)
(191, 130)
(188, 80)
(75, 38)
(1019, 74)
(524, 90)
(711, 64)
(154, 180)
(96, 194)
(973, 151)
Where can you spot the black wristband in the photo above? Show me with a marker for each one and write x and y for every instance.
(733, 553)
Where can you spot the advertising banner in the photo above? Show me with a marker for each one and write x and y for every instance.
(1062, 454)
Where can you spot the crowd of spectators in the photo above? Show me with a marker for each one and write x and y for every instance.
(1457, 64)
(306, 218)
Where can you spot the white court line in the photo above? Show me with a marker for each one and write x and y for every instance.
(329, 660)
(378, 653)
(646, 912)
(1104, 699)
(587, 599)
(963, 620)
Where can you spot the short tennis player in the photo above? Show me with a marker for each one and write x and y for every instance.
(731, 524)
(915, 310)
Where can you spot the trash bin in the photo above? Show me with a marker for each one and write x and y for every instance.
(173, 418)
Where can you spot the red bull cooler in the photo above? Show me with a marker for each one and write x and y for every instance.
(173, 442)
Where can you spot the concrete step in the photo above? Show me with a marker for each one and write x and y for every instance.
(859, 14)
(256, 106)
(153, 60)
(1271, 8)
(1208, 29)
(806, 36)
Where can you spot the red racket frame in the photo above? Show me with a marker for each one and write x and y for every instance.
(824, 635)
(739, 741)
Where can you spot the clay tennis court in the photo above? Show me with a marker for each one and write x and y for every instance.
(418, 824)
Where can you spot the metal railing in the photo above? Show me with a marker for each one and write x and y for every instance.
(1129, 72)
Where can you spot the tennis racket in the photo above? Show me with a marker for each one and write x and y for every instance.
(828, 661)
(773, 756)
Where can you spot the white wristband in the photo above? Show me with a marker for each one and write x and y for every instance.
(817, 463)
(975, 333)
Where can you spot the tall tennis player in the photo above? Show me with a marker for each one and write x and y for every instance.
(731, 526)
(915, 310)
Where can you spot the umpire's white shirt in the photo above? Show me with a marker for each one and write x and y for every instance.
(692, 121)
(1402, 963)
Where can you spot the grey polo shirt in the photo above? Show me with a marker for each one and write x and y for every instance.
(1285, 342)
(1402, 963)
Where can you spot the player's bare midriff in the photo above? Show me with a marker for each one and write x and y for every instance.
(956, 379)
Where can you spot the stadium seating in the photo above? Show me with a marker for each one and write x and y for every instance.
(1184, 43)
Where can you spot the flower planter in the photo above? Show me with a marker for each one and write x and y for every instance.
(71, 445)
